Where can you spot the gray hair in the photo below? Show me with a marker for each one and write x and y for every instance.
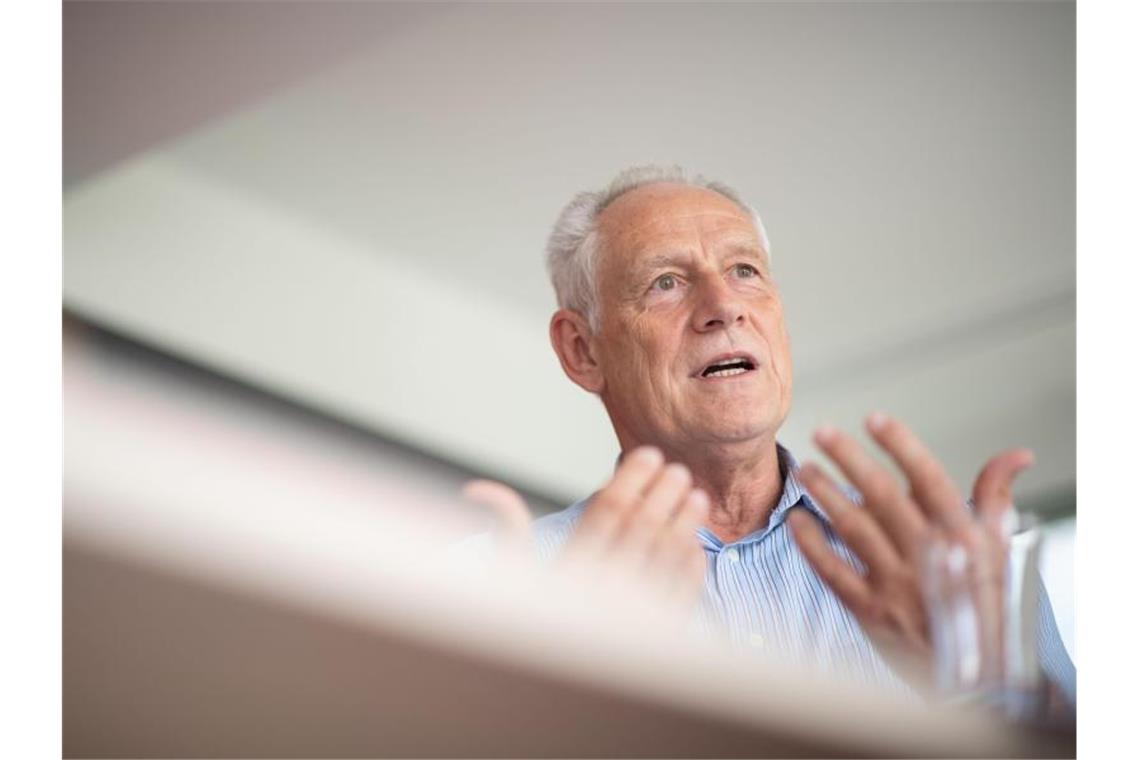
(573, 246)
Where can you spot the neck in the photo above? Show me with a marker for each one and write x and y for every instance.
(743, 483)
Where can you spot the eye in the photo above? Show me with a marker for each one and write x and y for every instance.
(664, 282)
(745, 270)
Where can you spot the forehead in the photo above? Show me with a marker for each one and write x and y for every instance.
(667, 216)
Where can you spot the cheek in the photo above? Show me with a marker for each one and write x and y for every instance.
(630, 355)
(645, 339)
(645, 352)
(784, 343)
(775, 332)
(783, 350)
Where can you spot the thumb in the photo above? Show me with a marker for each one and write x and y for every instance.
(505, 504)
(993, 490)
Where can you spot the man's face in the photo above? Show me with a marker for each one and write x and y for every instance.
(685, 287)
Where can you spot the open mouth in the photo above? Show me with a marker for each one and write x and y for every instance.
(727, 367)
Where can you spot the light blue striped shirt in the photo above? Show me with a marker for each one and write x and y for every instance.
(761, 593)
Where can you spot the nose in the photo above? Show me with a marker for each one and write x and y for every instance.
(718, 306)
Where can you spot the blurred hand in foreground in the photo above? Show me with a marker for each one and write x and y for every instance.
(895, 529)
(638, 531)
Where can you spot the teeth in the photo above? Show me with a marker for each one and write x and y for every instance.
(727, 367)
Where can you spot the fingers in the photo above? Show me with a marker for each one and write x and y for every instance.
(993, 490)
(855, 526)
(609, 508)
(851, 588)
(993, 506)
(643, 525)
(895, 512)
(675, 542)
(676, 562)
(933, 489)
(889, 598)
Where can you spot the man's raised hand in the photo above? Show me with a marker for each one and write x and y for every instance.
(644, 522)
(640, 526)
(894, 528)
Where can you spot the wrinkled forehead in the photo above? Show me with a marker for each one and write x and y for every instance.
(671, 218)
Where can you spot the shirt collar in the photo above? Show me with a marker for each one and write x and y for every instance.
(794, 494)
(794, 491)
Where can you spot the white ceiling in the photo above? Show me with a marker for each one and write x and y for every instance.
(348, 203)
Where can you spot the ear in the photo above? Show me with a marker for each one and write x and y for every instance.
(573, 342)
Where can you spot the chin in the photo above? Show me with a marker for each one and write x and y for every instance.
(735, 431)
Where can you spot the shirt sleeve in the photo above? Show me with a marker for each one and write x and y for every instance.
(1055, 661)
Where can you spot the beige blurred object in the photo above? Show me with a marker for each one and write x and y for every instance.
(224, 597)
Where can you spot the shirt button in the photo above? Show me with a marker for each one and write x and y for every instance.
(733, 555)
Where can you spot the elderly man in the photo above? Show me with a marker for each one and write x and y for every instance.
(669, 314)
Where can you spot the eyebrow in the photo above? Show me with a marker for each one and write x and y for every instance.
(663, 260)
(747, 249)
(682, 258)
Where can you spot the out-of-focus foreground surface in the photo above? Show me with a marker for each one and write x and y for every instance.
(240, 582)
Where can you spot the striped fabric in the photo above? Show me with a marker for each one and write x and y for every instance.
(762, 595)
